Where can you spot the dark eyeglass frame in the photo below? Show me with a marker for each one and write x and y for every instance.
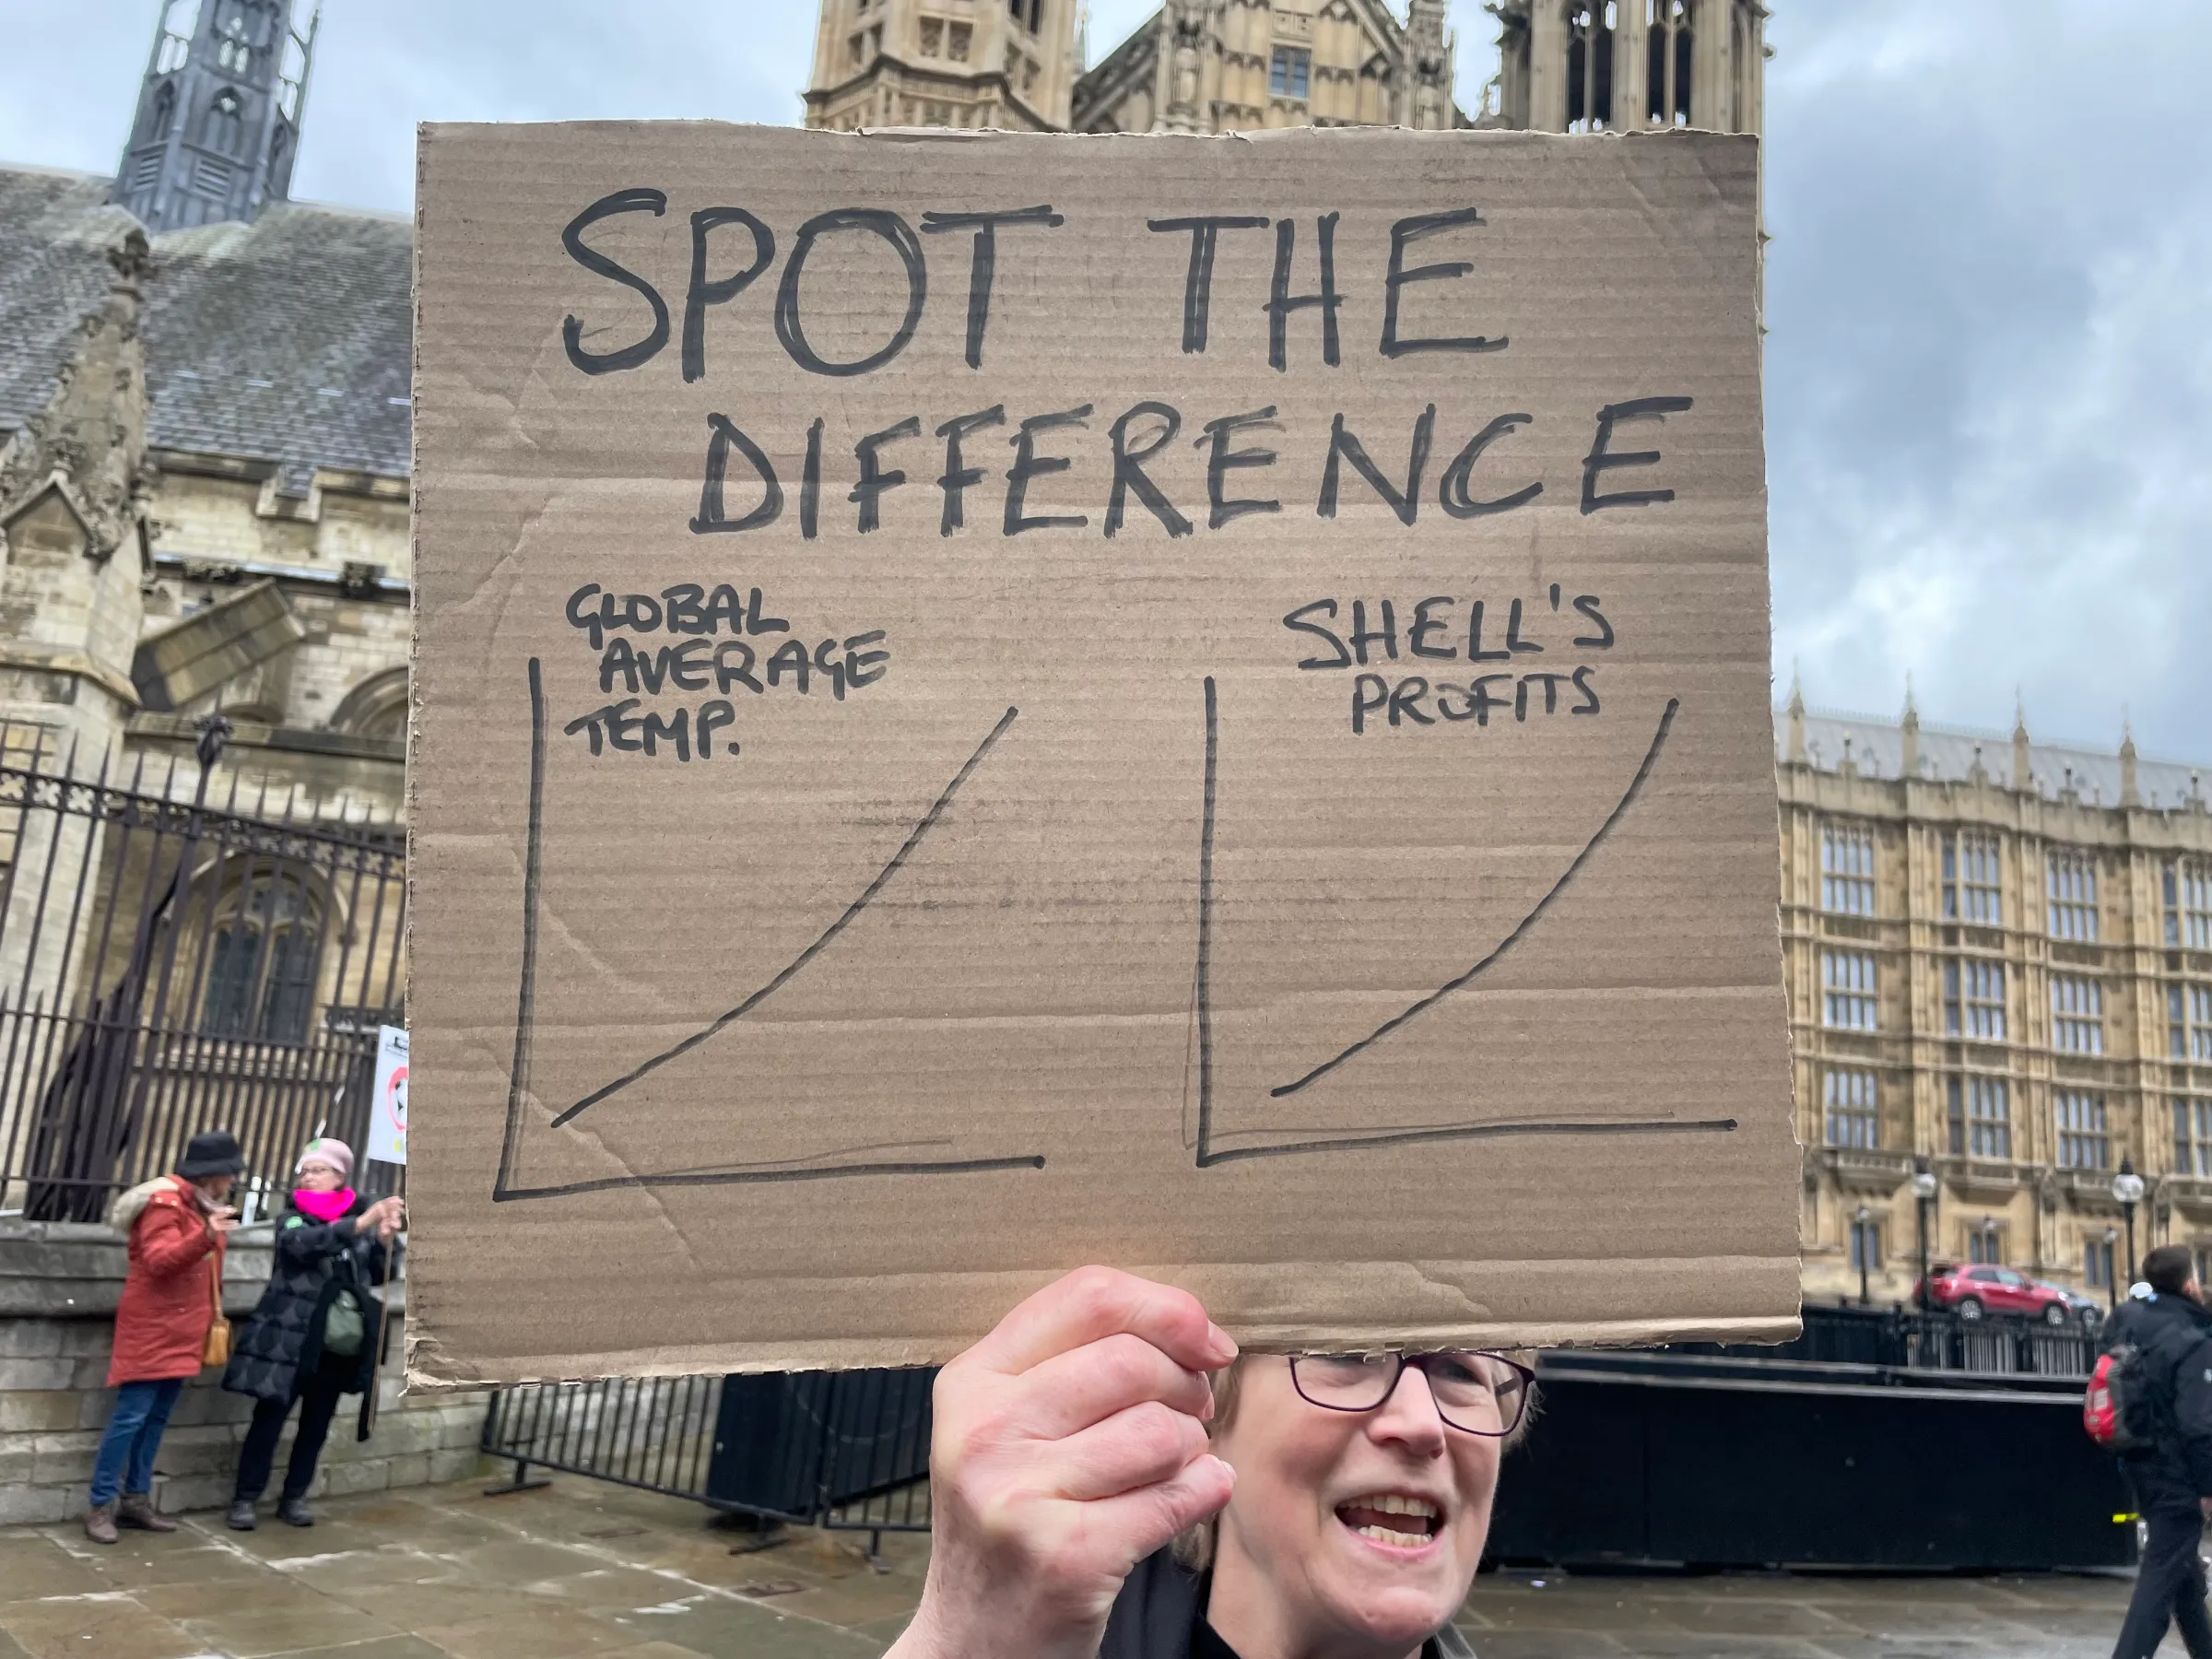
(1420, 1362)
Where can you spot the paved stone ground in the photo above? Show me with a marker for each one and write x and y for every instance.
(580, 1568)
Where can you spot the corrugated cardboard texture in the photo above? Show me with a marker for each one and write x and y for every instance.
(840, 906)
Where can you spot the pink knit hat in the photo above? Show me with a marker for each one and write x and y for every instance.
(323, 1149)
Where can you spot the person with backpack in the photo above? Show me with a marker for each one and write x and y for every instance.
(314, 1335)
(2150, 1401)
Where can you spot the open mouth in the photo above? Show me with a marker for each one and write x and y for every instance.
(1393, 1519)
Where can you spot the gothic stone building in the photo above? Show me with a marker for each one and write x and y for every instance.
(1228, 65)
(1999, 960)
(204, 451)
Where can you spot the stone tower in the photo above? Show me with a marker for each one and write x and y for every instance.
(1608, 66)
(218, 125)
(1009, 64)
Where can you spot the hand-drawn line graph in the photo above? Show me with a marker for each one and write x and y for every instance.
(1209, 1155)
(518, 1087)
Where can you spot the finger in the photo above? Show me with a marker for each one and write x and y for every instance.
(1086, 1385)
(1148, 1518)
(1092, 1302)
(1139, 1447)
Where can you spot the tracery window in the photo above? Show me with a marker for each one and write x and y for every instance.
(225, 127)
(1590, 65)
(262, 958)
(1668, 47)
(2070, 884)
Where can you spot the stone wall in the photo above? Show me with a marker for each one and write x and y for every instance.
(58, 1289)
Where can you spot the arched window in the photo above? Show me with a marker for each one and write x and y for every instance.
(165, 108)
(1590, 64)
(375, 708)
(234, 49)
(263, 952)
(1741, 70)
(1668, 46)
(225, 127)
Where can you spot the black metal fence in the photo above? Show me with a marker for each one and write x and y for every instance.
(1937, 1339)
(176, 958)
(843, 1450)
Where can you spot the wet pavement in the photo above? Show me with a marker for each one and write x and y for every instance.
(580, 1568)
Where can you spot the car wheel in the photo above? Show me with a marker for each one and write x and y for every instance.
(1970, 1308)
(2055, 1314)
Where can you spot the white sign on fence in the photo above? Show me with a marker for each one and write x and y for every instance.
(388, 1109)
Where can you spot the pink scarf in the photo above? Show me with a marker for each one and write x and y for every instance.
(324, 1206)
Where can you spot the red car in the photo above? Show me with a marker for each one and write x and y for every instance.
(1975, 1290)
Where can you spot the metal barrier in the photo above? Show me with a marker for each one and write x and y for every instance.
(850, 1450)
(847, 1451)
(1937, 1339)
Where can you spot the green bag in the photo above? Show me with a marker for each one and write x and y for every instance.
(344, 1329)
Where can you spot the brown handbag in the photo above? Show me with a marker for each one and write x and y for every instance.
(218, 1352)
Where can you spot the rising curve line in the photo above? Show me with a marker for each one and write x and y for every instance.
(1209, 1156)
(518, 1087)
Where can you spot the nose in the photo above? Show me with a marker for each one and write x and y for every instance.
(1410, 1416)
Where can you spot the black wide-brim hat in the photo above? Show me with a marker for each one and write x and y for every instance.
(214, 1152)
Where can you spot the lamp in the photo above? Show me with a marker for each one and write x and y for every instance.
(1924, 1193)
(2127, 1188)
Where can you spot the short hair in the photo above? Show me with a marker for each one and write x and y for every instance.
(2169, 1267)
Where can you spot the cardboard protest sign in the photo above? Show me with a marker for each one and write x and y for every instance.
(986, 703)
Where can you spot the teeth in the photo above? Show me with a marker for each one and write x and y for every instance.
(1390, 1503)
(1382, 1535)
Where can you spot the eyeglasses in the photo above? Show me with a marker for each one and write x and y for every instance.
(1474, 1393)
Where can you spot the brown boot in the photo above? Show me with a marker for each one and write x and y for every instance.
(100, 1524)
(136, 1510)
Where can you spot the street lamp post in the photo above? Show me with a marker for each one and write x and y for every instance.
(1860, 1241)
(1923, 1190)
(2112, 1275)
(2127, 1186)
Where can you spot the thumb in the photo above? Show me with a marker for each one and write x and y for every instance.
(1149, 1517)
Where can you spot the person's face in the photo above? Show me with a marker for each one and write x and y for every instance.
(216, 1188)
(315, 1176)
(1308, 1480)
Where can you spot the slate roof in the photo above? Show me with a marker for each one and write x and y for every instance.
(287, 341)
(1949, 753)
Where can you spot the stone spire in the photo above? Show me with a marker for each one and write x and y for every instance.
(1909, 732)
(85, 453)
(2023, 776)
(218, 125)
(2129, 794)
(1797, 754)
(75, 539)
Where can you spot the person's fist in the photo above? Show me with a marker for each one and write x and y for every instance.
(1068, 1445)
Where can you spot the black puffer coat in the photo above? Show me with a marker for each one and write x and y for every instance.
(316, 1263)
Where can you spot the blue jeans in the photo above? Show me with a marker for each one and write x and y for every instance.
(126, 1450)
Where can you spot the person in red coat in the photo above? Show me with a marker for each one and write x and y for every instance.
(178, 1226)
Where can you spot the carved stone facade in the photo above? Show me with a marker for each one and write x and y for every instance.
(1999, 960)
(1006, 64)
(203, 444)
(1613, 65)
(1198, 67)
(1237, 66)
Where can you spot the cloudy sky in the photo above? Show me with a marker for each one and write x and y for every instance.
(1990, 372)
